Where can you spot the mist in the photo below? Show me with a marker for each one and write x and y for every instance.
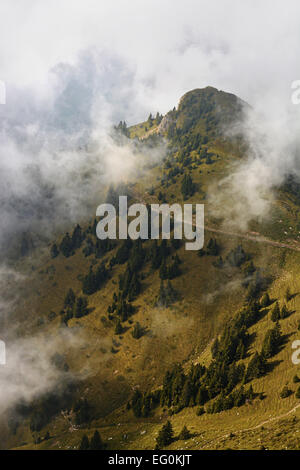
(74, 69)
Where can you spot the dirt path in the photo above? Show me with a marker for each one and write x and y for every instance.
(257, 238)
(254, 238)
(257, 426)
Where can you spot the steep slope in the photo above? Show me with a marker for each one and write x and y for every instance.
(118, 377)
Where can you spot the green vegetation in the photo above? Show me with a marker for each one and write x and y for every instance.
(162, 331)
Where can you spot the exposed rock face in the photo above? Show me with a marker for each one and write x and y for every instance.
(167, 120)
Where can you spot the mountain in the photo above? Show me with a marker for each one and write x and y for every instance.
(135, 334)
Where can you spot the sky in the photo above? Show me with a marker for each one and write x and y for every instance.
(151, 52)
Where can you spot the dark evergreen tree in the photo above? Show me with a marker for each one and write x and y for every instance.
(184, 434)
(69, 299)
(66, 246)
(284, 312)
(265, 301)
(285, 392)
(272, 341)
(165, 435)
(96, 442)
(118, 328)
(82, 411)
(167, 295)
(77, 237)
(123, 252)
(237, 256)
(136, 403)
(93, 281)
(257, 367)
(85, 443)
(137, 331)
(212, 248)
(275, 315)
(81, 308)
(54, 251)
(187, 186)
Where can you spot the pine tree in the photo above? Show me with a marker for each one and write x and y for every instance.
(96, 442)
(202, 396)
(257, 367)
(77, 237)
(187, 186)
(81, 307)
(186, 393)
(137, 331)
(284, 312)
(118, 328)
(163, 272)
(200, 411)
(83, 412)
(54, 251)
(285, 392)
(85, 443)
(66, 246)
(212, 248)
(275, 313)
(165, 435)
(272, 341)
(265, 300)
(184, 434)
(69, 299)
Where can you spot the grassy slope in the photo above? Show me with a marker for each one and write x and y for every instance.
(183, 332)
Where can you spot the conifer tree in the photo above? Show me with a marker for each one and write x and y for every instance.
(77, 237)
(187, 186)
(69, 299)
(256, 367)
(184, 434)
(212, 247)
(272, 341)
(137, 331)
(165, 435)
(81, 307)
(118, 328)
(85, 443)
(275, 315)
(265, 300)
(54, 251)
(66, 246)
(96, 442)
(284, 312)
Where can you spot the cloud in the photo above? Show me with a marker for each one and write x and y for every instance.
(31, 369)
(74, 68)
(79, 67)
